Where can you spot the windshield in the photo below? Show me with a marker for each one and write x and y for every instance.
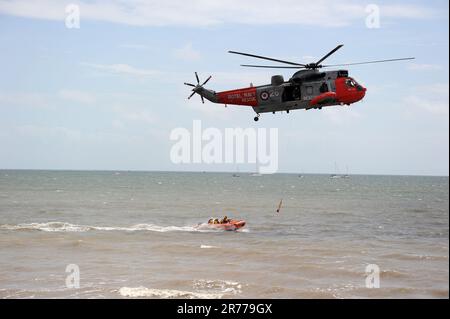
(351, 83)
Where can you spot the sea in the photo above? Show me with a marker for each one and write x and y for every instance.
(120, 234)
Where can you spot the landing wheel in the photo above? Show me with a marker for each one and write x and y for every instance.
(256, 119)
(287, 111)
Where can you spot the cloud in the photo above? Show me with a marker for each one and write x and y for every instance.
(340, 115)
(134, 114)
(235, 80)
(201, 13)
(407, 11)
(433, 99)
(187, 53)
(211, 110)
(431, 106)
(30, 99)
(43, 132)
(135, 46)
(45, 101)
(437, 88)
(424, 67)
(77, 96)
(121, 69)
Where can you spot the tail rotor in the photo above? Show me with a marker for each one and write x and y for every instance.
(197, 88)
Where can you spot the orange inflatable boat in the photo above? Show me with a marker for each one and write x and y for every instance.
(232, 224)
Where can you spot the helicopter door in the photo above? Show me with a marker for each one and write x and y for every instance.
(292, 93)
(296, 93)
(309, 92)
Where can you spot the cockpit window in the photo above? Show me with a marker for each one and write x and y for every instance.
(351, 83)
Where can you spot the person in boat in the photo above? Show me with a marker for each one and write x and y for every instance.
(225, 220)
(216, 221)
(210, 221)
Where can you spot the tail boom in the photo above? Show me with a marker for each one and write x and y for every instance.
(245, 96)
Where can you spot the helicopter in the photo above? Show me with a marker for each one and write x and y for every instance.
(308, 88)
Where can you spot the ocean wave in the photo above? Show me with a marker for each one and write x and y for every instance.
(140, 292)
(67, 227)
(218, 286)
(207, 247)
(49, 227)
(415, 256)
(202, 289)
(335, 291)
(385, 274)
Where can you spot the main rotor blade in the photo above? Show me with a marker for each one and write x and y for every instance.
(206, 81)
(367, 62)
(189, 84)
(191, 95)
(265, 58)
(330, 53)
(196, 76)
(272, 66)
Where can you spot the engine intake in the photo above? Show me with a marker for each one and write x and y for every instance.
(277, 80)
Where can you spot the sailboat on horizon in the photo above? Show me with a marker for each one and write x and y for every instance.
(256, 173)
(336, 172)
(346, 174)
(237, 172)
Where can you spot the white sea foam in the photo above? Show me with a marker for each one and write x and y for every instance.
(218, 286)
(50, 227)
(207, 247)
(208, 228)
(202, 289)
(67, 227)
(136, 292)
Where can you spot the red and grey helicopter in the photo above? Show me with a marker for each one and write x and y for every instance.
(307, 89)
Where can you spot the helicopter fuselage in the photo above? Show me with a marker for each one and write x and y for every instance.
(306, 89)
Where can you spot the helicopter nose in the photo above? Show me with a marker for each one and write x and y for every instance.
(361, 93)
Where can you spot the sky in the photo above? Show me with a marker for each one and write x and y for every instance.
(108, 94)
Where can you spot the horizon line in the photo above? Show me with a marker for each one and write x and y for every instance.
(205, 172)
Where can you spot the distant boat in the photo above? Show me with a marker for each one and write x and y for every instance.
(346, 174)
(256, 173)
(237, 173)
(336, 174)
